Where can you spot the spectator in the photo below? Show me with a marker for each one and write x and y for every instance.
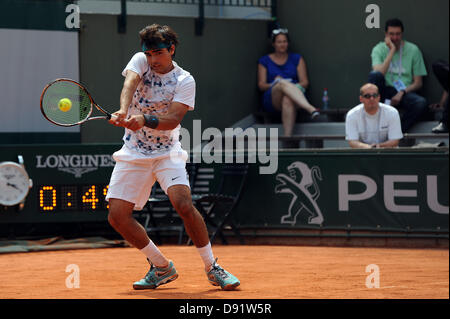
(283, 78)
(372, 124)
(398, 68)
(440, 69)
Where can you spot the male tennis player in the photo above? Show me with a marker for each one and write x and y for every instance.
(155, 96)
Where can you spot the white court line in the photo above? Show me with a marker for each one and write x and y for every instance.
(390, 287)
(422, 284)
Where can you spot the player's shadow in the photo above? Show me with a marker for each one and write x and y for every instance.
(175, 293)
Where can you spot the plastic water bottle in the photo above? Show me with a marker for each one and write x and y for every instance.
(325, 99)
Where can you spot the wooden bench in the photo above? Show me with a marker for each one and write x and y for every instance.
(328, 115)
(317, 141)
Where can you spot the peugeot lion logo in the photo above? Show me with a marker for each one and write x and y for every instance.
(301, 180)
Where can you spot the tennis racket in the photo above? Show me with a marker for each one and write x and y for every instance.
(65, 102)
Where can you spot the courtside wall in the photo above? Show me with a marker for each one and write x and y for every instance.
(331, 35)
(336, 43)
(405, 191)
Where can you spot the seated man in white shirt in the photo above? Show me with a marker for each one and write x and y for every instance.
(372, 124)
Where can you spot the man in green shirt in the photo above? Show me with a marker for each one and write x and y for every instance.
(397, 70)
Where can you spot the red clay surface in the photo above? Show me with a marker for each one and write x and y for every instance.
(265, 272)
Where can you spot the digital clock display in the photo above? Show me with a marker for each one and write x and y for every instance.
(90, 197)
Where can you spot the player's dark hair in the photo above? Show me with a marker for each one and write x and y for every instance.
(394, 23)
(155, 35)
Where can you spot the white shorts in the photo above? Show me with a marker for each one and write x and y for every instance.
(134, 175)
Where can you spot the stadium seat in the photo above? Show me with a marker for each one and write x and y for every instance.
(160, 215)
(216, 208)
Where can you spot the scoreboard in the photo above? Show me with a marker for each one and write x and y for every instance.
(72, 197)
(70, 182)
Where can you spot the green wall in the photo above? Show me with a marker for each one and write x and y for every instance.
(33, 14)
(336, 43)
(223, 62)
(331, 35)
(402, 190)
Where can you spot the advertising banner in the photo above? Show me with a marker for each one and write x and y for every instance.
(389, 191)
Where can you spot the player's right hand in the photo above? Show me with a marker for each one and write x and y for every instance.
(118, 118)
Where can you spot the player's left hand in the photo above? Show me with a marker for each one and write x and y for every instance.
(135, 122)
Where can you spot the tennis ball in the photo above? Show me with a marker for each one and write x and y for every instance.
(65, 104)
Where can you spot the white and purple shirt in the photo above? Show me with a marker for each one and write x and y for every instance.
(153, 96)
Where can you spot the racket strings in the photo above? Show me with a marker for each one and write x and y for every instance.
(78, 111)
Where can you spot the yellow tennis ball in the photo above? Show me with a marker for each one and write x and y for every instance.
(65, 104)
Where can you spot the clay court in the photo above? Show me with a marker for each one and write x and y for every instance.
(265, 272)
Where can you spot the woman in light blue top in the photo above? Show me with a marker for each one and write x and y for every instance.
(282, 77)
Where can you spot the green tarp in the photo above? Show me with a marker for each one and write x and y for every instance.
(58, 243)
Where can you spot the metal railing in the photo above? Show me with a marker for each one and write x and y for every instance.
(200, 21)
(225, 3)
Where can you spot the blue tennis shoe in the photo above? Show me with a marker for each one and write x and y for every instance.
(218, 276)
(157, 277)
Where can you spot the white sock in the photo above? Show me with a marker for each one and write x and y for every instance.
(207, 256)
(154, 255)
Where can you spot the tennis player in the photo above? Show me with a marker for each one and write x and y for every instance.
(155, 96)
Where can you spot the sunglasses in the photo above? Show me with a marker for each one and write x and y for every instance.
(278, 31)
(368, 96)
